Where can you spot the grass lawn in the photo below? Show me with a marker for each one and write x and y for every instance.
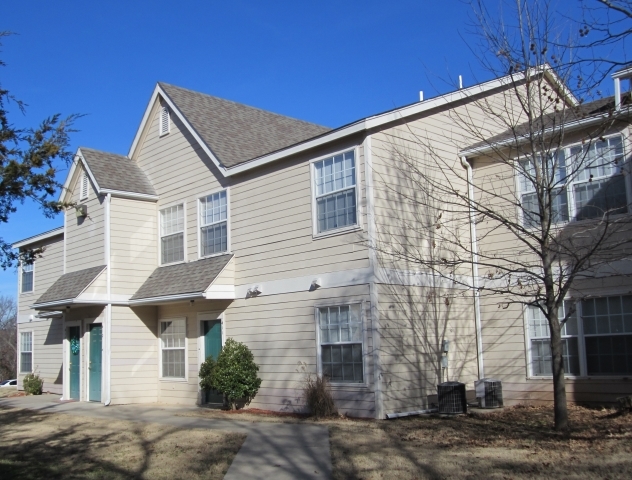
(516, 443)
(50, 446)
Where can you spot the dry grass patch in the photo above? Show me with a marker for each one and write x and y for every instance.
(518, 443)
(43, 445)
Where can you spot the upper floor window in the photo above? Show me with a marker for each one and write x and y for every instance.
(165, 121)
(27, 277)
(335, 192)
(214, 223)
(84, 189)
(26, 352)
(586, 181)
(172, 234)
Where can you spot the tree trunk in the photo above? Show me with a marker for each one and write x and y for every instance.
(559, 384)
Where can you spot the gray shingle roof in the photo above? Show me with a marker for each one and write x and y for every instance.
(192, 277)
(236, 133)
(555, 119)
(117, 172)
(70, 285)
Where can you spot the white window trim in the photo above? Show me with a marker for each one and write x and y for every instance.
(184, 237)
(365, 354)
(84, 178)
(32, 291)
(199, 223)
(186, 350)
(161, 132)
(570, 193)
(312, 177)
(32, 332)
(581, 347)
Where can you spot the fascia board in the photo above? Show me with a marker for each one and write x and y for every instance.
(56, 303)
(159, 91)
(585, 122)
(133, 195)
(66, 188)
(378, 121)
(167, 298)
(625, 73)
(38, 238)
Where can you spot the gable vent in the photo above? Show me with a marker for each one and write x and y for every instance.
(164, 121)
(84, 186)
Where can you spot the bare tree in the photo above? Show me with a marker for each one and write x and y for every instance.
(548, 218)
(8, 337)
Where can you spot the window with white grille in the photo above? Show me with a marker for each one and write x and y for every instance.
(214, 223)
(172, 234)
(27, 277)
(164, 121)
(341, 340)
(85, 186)
(26, 352)
(173, 346)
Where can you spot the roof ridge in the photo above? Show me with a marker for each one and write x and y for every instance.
(103, 151)
(244, 105)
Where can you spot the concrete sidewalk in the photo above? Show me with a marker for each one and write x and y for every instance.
(271, 450)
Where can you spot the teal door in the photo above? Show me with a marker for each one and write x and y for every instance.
(74, 367)
(212, 347)
(96, 341)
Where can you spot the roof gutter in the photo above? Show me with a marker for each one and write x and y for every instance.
(167, 299)
(574, 125)
(38, 238)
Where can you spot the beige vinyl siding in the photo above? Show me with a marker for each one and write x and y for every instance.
(270, 210)
(281, 332)
(47, 269)
(133, 243)
(98, 288)
(85, 237)
(47, 352)
(134, 376)
(413, 323)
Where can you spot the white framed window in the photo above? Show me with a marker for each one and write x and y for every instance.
(172, 234)
(341, 343)
(84, 189)
(26, 277)
(26, 352)
(540, 342)
(335, 192)
(213, 223)
(173, 348)
(586, 180)
(164, 121)
(597, 339)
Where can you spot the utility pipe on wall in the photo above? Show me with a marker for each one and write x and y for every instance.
(108, 307)
(474, 248)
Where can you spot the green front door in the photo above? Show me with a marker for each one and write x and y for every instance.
(74, 364)
(212, 347)
(96, 341)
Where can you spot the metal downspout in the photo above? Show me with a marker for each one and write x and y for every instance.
(474, 248)
(108, 308)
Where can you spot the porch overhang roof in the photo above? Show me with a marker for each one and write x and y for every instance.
(182, 281)
(67, 288)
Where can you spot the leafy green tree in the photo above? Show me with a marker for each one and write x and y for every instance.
(29, 162)
(235, 373)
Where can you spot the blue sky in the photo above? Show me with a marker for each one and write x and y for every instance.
(328, 62)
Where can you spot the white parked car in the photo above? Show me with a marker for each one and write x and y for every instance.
(8, 383)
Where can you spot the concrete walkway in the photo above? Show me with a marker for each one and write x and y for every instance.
(271, 450)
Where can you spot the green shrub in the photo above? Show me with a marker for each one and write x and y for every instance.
(235, 373)
(32, 384)
(318, 397)
(207, 369)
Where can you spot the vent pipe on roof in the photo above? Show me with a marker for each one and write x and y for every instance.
(460, 82)
(421, 95)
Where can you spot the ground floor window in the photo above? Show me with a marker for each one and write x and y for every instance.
(597, 338)
(341, 343)
(173, 346)
(26, 352)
